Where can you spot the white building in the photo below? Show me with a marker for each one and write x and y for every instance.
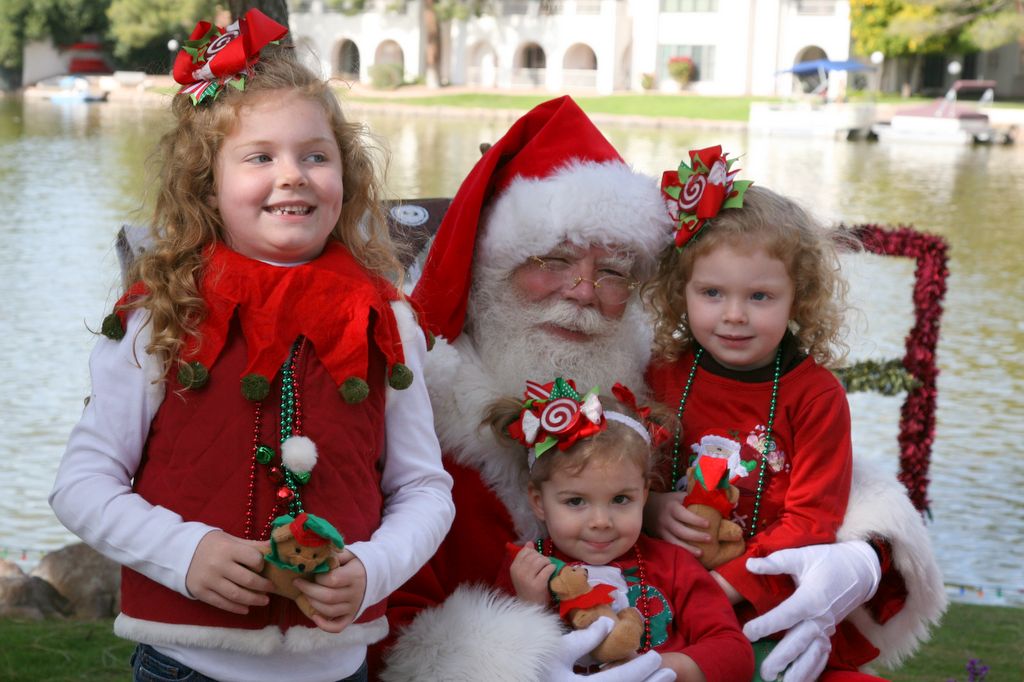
(602, 46)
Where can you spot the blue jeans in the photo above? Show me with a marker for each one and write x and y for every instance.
(149, 665)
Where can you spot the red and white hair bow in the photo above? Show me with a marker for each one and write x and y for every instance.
(213, 56)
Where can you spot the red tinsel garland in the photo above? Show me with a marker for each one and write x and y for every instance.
(917, 417)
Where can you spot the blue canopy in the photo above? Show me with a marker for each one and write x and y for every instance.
(826, 65)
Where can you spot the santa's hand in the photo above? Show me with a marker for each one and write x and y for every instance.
(574, 645)
(832, 580)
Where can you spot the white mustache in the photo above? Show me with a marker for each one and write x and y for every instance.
(570, 316)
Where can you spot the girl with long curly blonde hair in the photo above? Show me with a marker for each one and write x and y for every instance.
(257, 405)
(749, 304)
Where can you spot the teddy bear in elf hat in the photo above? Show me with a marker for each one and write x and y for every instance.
(580, 604)
(300, 547)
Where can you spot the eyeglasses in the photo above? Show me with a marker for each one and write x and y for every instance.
(613, 289)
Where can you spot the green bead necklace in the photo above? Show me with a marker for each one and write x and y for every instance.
(287, 481)
(776, 375)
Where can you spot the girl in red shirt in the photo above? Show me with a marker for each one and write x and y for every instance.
(751, 304)
(591, 463)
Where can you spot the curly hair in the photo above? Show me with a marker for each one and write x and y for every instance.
(185, 222)
(618, 442)
(785, 231)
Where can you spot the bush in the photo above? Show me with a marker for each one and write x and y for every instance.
(647, 81)
(681, 69)
(386, 76)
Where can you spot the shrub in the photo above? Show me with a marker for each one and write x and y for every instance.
(647, 81)
(386, 76)
(681, 69)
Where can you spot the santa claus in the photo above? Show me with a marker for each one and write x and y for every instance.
(534, 273)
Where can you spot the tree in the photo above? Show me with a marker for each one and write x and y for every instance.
(275, 9)
(914, 27)
(64, 21)
(140, 29)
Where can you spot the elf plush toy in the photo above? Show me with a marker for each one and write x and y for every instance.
(300, 547)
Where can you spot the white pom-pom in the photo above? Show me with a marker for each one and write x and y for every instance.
(298, 454)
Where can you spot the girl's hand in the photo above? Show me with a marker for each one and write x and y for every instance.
(225, 573)
(666, 518)
(530, 571)
(337, 594)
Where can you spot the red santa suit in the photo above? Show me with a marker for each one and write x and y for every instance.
(554, 179)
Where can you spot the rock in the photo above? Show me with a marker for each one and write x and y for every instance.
(9, 569)
(90, 581)
(31, 597)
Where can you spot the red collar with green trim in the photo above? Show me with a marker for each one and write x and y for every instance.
(332, 301)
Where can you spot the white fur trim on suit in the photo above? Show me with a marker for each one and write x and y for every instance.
(266, 641)
(880, 507)
(476, 635)
(583, 203)
(461, 390)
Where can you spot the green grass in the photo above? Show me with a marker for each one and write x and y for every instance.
(651, 105)
(62, 651)
(993, 634)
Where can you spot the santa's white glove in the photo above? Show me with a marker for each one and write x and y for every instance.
(832, 580)
(574, 645)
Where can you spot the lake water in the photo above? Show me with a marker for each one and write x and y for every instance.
(71, 174)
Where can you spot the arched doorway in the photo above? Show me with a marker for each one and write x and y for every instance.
(347, 62)
(388, 70)
(579, 67)
(529, 66)
(809, 82)
(483, 66)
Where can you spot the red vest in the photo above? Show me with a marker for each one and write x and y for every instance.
(199, 458)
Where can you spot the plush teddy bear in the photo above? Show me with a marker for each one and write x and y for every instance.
(300, 547)
(711, 496)
(580, 605)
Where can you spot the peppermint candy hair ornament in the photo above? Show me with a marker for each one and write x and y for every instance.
(556, 415)
(213, 56)
(695, 193)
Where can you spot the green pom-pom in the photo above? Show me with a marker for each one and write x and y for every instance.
(255, 387)
(354, 390)
(193, 375)
(401, 377)
(112, 328)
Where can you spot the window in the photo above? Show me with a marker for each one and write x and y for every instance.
(821, 8)
(689, 5)
(703, 57)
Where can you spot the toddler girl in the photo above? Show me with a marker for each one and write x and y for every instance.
(591, 463)
(261, 369)
(755, 282)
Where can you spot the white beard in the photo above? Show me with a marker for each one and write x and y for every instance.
(513, 347)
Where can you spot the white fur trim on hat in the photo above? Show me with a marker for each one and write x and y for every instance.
(727, 444)
(583, 203)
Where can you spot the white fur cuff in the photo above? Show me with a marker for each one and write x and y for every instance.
(477, 634)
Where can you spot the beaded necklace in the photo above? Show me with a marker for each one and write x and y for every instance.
(698, 353)
(545, 547)
(290, 424)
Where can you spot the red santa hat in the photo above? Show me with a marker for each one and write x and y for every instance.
(552, 178)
